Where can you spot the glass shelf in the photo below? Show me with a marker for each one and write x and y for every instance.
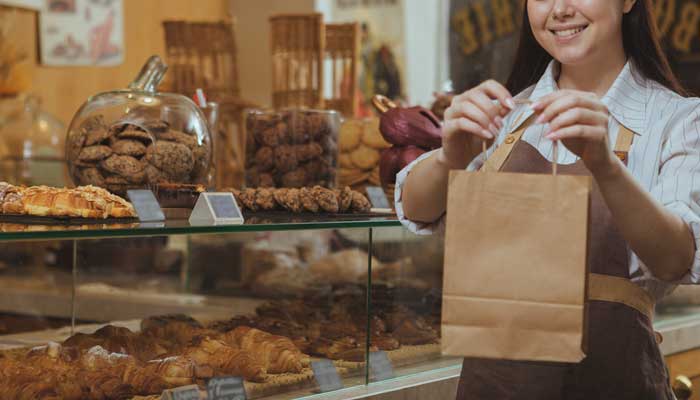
(258, 222)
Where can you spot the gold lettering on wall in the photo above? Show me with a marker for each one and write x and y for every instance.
(664, 10)
(483, 21)
(503, 16)
(687, 28)
(462, 24)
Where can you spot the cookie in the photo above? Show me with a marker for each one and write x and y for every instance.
(156, 126)
(94, 129)
(308, 201)
(248, 197)
(91, 176)
(115, 180)
(360, 202)
(365, 157)
(344, 196)
(154, 175)
(273, 135)
(174, 158)
(285, 158)
(372, 137)
(350, 135)
(266, 180)
(294, 179)
(128, 147)
(292, 201)
(326, 199)
(126, 166)
(131, 133)
(307, 152)
(179, 137)
(265, 199)
(94, 153)
(265, 158)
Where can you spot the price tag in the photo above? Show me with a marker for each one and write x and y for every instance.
(380, 366)
(378, 198)
(226, 388)
(326, 376)
(190, 392)
(146, 205)
(216, 209)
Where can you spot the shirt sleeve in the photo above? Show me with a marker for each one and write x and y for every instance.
(419, 227)
(678, 184)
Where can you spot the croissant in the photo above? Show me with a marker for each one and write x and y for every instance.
(120, 340)
(174, 371)
(225, 360)
(177, 328)
(277, 353)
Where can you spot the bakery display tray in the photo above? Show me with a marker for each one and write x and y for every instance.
(61, 220)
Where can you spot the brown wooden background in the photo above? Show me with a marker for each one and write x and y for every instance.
(64, 89)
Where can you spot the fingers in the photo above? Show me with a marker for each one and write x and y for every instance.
(497, 91)
(559, 102)
(587, 132)
(574, 116)
(471, 112)
(494, 110)
(464, 125)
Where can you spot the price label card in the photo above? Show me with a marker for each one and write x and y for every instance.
(380, 366)
(146, 205)
(326, 376)
(378, 198)
(216, 209)
(226, 388)
(190, 392)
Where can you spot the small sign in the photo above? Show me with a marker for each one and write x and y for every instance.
(146, 205)
(226, 388)
(216, 209)
(326, 375)
(190, 392)
(380, 366)
(378, 198)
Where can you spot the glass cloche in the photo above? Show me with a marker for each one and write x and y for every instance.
(31, 143)
(137, 137)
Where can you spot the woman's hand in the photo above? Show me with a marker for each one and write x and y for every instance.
(580, 121)
(473, 117)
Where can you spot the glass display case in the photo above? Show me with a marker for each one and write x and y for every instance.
(126, 311)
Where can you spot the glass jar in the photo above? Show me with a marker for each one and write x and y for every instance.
(31, 152)
(137, 137)
(291, 148)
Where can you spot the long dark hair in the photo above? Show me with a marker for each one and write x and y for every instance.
(640, 38)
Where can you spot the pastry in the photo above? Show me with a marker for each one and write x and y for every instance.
(277, 354)
(344, 197)
(291, 200)
(224, 359)
(248, 199)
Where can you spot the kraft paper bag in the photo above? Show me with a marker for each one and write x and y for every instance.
(515, 266)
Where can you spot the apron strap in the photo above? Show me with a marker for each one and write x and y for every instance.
(624, 142)
(620, 290)
(625, 137)
(502, 152)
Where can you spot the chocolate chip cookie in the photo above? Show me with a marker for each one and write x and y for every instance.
(127, 147)
(94, 153)
(174, 158)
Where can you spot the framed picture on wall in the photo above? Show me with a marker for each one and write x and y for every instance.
(82, 33)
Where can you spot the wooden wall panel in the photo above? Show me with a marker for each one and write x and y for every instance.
(64, 89)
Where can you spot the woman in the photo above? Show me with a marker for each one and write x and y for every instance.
(593, 70)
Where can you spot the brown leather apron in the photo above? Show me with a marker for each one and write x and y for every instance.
(623, 359)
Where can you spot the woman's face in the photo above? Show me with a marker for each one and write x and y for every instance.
(574, 31)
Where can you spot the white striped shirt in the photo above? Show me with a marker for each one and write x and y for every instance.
(664, 158)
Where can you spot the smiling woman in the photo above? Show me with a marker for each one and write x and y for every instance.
(599, 83)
